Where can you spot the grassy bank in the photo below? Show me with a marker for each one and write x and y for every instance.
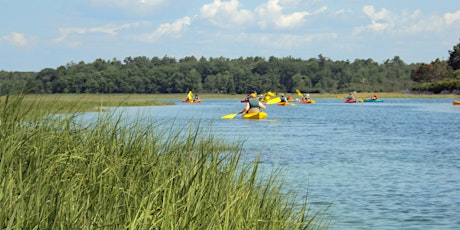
(169, 99)
(58, 173)
(72, 103)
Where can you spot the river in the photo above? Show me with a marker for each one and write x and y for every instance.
(390, 165)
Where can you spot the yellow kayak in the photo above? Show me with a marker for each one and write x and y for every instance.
(259, 115)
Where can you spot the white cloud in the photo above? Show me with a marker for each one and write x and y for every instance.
(451, 18)
(108, 29)
(378, 19)
(15, 38)
(225, 14)
(320, 10)
(271, 13)
(407, 23)
(169, 29)
(412, 23)
(342, 12)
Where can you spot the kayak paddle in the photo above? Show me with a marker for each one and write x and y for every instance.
(230, 116)
(274, 101)
(299, 93)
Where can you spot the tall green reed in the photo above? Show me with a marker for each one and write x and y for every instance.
(113, 173)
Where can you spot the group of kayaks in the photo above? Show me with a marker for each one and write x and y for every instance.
(362, 100)
(263, 115)
(380, 100)
(267, 100)
(277, 100)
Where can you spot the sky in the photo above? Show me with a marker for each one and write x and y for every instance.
(50, 33)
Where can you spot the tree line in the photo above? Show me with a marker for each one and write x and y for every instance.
(146, 75)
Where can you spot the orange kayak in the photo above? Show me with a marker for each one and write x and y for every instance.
(283, 103)
(194, 101)
(456, 102)
(311, 101)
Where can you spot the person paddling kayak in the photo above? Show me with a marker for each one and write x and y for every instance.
(253, 105)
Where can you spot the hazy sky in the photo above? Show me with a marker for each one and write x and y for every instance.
(50, 33)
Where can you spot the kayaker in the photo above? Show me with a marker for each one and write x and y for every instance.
(306, 97)
(374, 97)
(253, 105)
(189, 97)
(283, 99)
(196, 97)
(350, 97)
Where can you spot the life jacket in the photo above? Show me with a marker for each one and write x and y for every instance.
(253, 103)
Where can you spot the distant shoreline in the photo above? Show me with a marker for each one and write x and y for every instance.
(210, 96)
(74, 103)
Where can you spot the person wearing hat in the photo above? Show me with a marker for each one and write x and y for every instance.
(253, 105)
(283, 98)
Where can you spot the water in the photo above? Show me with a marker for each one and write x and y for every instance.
(391, 165)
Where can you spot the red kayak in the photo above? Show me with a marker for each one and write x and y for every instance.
(350, 101)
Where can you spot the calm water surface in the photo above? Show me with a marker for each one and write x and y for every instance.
(390, 165)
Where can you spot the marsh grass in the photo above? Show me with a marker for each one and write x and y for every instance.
(74, 103)
(58, 173)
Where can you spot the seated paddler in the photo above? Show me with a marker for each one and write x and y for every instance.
(253, 105)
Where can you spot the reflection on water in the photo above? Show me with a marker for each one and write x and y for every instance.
(391, 165)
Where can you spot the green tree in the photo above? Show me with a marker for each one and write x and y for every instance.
(454, 57)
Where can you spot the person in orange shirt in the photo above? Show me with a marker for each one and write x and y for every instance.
(374, 97)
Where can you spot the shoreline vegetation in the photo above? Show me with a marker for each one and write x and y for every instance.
(152, 98)
(61, 173)
(71, 103)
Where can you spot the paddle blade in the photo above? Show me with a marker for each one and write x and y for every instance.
(271, 94)
(299, 93)
(274, 101)
(340, 96)
(229, 116)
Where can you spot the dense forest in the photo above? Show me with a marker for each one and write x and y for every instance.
(238, 76)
